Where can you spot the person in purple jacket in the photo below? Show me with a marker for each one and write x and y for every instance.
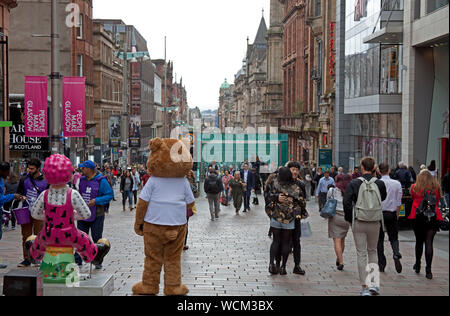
(31, 186)
(97, 193)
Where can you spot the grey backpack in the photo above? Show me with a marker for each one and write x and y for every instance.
(368, 205)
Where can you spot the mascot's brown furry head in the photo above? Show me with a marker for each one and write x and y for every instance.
(169, 158)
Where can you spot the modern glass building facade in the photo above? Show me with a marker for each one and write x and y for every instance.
(373, 82)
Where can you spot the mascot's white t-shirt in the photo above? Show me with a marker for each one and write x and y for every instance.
(167, 198)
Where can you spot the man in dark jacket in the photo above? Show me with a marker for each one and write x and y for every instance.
(213, 187)
(249, 178)
(366, 234)
(404, 176)
(295, 169)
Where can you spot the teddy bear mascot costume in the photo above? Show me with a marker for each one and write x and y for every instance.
(161, 216)
(59, 207)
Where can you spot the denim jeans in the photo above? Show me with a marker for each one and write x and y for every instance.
(129, 195)
(96, 228)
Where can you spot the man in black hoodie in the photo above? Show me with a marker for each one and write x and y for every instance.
(366, 234)
(213, 187)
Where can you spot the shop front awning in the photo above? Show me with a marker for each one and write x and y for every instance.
(391, 34)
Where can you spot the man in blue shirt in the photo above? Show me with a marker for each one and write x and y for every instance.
(97, 193)
(322, 189)
(4, 173)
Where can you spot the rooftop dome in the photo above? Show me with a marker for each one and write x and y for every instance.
(225, 85)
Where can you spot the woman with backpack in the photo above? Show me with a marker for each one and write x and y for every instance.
(337, 226)
(426, 217)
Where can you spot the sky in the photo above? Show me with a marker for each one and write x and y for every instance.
(206, 39)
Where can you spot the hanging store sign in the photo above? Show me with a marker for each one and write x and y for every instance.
(17, 139)
(36, 112)
(332, 59)
(114, 127)
(135, 132)
(74, 106)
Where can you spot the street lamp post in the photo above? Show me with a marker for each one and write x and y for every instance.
(55, 77)
(125, 94)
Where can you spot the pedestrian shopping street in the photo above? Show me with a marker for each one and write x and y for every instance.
(231, 257)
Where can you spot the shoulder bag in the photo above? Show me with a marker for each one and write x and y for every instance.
(329, 210)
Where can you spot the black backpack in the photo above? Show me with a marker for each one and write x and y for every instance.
(213, 185)
(427, 207)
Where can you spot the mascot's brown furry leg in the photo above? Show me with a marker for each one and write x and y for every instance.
(150, 278)
(163, 246)
(175, 237)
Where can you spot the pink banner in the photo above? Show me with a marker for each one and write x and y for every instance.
(36, 112)
(74, 106)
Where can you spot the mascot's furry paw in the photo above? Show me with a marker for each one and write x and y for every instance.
(141, 289)
(176, 290)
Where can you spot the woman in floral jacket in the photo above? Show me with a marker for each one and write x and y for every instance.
(284, 204)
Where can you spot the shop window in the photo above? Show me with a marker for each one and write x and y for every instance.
(417, 5)
(394, 5)
(433, 5)
(390, 74)
(80, 66)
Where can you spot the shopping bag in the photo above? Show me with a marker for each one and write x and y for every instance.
(23, 215)
(306, 231)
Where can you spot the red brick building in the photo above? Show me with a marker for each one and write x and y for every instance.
(296, 69)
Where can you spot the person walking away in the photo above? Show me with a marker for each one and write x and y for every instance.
(126, 188)
(295, 167)
(413, 174)
(306, 175)
(366, 193)
(391, 211)
(237, 190)
(283, 206)
(249, 179)
(403, 176)
(426, 217)
(96, 192)
(136, 184)
(226, 180)
(4, 173)
(338, 227)
(214, 167)
(433, 170)
(213, 187)
(258, 186)
(322, 189)
(31, 186)
(11, 186)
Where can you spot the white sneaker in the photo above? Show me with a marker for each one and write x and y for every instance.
(366, 292)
